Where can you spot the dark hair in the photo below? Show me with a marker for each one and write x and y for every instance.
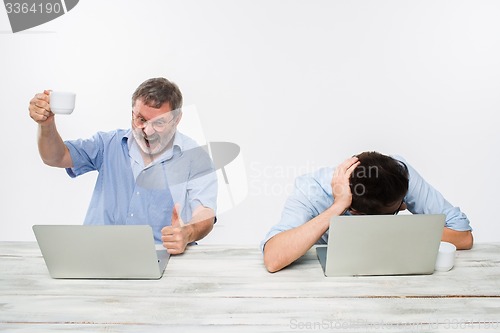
(157, 91)
(378, 182)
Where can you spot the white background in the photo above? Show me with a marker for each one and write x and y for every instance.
(296, 84)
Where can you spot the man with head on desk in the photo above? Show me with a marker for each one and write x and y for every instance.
(368, 183)
(148, 174)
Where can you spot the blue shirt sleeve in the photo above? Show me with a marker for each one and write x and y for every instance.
(193, 179)
(86, 154)
(422, 198)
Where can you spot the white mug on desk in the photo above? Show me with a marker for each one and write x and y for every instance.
(446, 257)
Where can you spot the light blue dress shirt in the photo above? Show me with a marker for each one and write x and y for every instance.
(128, 192)
(312, 195)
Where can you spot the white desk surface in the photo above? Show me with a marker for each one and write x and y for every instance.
(227, 289)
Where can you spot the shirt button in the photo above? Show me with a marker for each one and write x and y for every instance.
(137, 193)
(132, 215)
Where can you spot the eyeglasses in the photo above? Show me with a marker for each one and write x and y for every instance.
(399, 208)
(158, 125)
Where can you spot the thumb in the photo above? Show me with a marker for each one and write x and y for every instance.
(176, 218)
(47, 92)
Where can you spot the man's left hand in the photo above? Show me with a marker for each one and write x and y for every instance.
(175, 237)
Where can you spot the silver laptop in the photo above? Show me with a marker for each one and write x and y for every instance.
(382, 245)
(100, 251)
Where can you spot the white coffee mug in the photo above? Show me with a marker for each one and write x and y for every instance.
(62, 102)
(446, 257)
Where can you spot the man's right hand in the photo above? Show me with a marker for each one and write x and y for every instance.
(40, 108)
(51, 147)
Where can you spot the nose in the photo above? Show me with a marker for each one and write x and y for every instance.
(148, 129)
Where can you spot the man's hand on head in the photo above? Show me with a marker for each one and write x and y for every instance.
(341, 190)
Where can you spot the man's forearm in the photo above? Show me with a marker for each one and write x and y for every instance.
(201, 224)
(51, 147)
(287, 246)
(463, 240)
(198, 230)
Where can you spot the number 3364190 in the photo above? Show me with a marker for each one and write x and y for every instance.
(26, 8)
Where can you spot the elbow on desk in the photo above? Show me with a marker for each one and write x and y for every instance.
(271, 261)
(271, 265)
(466, 242)
(463, 240)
